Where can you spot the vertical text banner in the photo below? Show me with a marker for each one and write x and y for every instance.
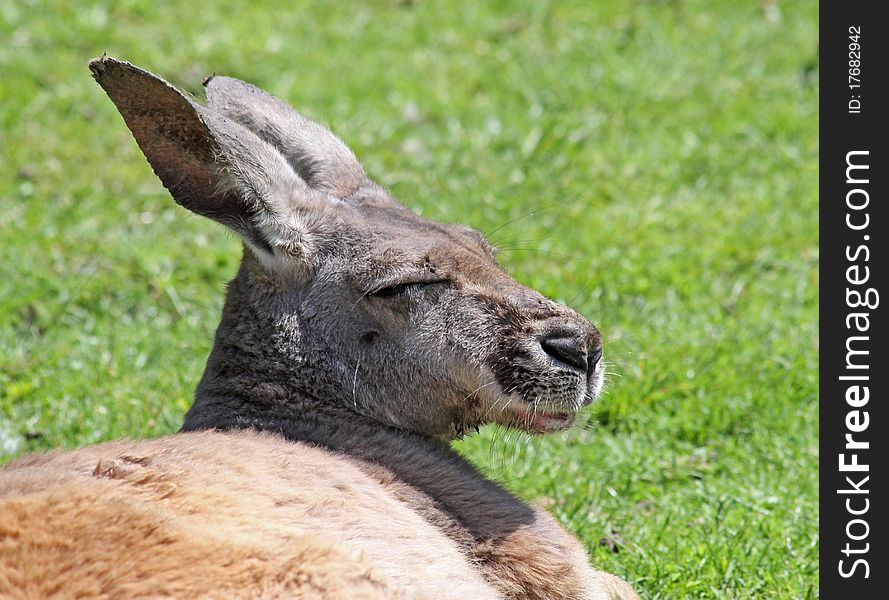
(854, 432)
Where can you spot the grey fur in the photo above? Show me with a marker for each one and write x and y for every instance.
(355, 324)
(314, 152)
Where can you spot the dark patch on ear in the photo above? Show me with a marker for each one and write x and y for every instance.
(370, 337)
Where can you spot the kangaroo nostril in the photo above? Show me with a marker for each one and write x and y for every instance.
(593, 358)
(569, 350)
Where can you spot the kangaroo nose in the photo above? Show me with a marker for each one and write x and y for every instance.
(594, 356)
(571, 350)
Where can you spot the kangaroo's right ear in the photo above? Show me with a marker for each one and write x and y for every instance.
(319, 156)
(211, 165)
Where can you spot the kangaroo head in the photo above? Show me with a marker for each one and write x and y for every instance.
(345, 299)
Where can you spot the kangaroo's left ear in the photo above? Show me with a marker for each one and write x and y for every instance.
(215, 167)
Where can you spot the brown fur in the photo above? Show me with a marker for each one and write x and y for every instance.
(226, 515)
(361, 338)
(249, 515)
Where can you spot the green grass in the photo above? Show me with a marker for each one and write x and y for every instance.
(652, 163)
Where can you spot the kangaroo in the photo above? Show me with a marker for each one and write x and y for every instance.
(357, 340)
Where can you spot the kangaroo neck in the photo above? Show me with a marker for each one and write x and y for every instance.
(479, 505)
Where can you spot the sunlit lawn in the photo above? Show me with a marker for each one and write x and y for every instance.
(653, 164)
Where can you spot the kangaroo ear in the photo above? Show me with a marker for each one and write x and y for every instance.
(211, 165)
(317, 155)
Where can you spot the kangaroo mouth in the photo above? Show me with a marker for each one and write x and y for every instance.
(536, 420)
(541, 413)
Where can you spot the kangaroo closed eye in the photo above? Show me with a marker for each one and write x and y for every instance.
(395, 290)
(400, 288)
